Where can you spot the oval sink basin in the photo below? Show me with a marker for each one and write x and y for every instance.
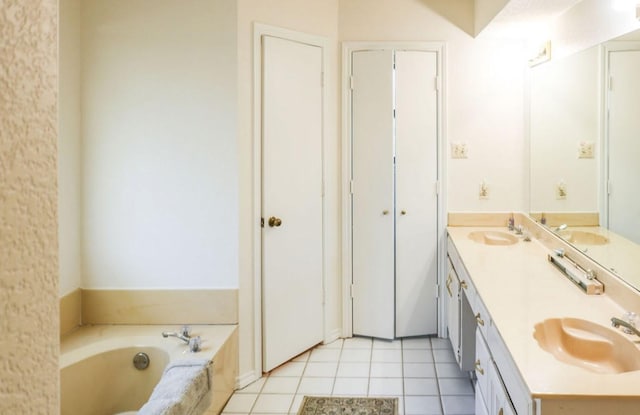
(588, 345)
(584, 238)
(493, 238)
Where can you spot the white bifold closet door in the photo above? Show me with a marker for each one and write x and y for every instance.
(372, 201)
(416, 193)
(394, 201)
(624, 146)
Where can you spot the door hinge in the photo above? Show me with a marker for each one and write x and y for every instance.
(322, 79)
(608, 187)
(611, 83)
(437, 187)
(351, 186)
(262, 222)
(436, 81)
(351, 82)
(394, 114)
(351, 291)
(437, 290)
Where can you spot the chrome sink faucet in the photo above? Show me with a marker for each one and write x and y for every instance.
(629, 328)
(561, 227)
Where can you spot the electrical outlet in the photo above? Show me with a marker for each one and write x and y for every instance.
(585, 150)
(561, 191)
(459, 150)
(483, 192)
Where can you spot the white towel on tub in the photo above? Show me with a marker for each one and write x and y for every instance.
(184, 389)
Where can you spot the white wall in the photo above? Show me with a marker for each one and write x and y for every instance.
(69, 147)
(484, 108)
(160, 174)
(565, 110)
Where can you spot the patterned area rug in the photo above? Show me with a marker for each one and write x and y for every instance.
(318, 405)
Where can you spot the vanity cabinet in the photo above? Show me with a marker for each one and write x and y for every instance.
(461, 321)
(499, 388)
(491, 394)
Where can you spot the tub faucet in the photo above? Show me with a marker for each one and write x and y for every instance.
(184, 335)
(616, 322)
(177, 335)
(561, 227)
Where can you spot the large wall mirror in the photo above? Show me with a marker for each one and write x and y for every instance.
(585, 152)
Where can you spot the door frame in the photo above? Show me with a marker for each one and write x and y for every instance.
(605, 51)
(347, 238)
(260, 30)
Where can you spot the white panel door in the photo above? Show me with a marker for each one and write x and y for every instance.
(292, 310)
(624, 144)
(416, 196)
(372, 200)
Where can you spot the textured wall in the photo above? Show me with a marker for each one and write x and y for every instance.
(28, 214)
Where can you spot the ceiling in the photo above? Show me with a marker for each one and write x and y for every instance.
(520, 11)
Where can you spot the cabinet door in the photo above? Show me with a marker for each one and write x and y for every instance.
(416, 198)
(453, 310)
(500, 402)
(372, 200)
(481, 407)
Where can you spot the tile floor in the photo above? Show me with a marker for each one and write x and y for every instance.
(421, 372)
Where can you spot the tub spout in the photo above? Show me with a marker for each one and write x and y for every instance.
(177, 335)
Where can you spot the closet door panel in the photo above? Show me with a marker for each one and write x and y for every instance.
(416, 197)
(372, 200)
(624, 146)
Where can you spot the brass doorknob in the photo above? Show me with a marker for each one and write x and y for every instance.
(385, 212)
(403, 212)
(273, 221)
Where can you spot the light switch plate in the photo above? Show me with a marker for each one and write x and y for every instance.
(561, 191)
(586, 149)
(483, 191)
(459, 150)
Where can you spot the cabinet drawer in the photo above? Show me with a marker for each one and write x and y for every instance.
(482, 365)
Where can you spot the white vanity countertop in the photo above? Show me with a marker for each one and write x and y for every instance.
(520, 288)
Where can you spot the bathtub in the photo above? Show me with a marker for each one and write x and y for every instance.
(98, 377)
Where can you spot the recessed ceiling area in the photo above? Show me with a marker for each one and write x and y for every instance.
(533, 10)
(519, 18)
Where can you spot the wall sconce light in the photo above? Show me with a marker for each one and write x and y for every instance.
(543, 55)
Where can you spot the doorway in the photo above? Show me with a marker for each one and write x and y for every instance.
(289, 194)
(622, 147)
(395, 210)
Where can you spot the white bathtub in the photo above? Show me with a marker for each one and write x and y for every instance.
(98, 377)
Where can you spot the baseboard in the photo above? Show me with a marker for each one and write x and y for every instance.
(332, 336)
(247, 378)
